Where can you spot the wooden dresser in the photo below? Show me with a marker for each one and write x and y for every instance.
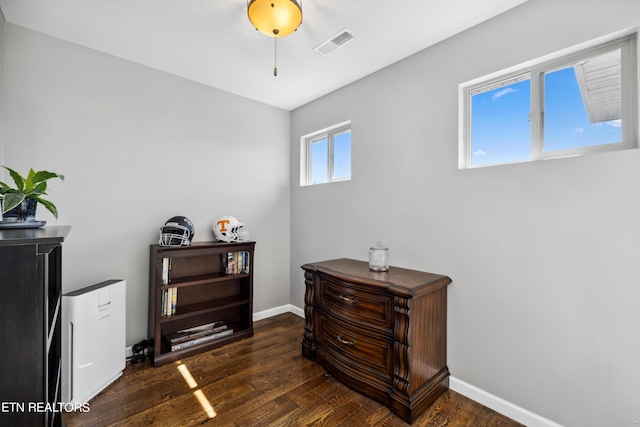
(384, 334)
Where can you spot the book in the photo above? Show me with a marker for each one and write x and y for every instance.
(229, 262)
(232, 264)
(241, 262)
(167, 302)
(174, 299)
(197, 332)
(162, 297)
(165, 271)
(247, 259)
(198, 329)
(236, 262)
(202, 339)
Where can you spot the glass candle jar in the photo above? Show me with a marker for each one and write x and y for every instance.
(378, 258)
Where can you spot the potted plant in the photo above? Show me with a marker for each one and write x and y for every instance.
(19, 203)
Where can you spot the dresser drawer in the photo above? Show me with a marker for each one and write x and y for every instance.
(359, 347)
(365, 306)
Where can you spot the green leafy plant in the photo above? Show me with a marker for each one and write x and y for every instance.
(33, 187)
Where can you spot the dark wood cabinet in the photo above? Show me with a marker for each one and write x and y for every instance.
(31, 289)
(383, 334)
(212, 281)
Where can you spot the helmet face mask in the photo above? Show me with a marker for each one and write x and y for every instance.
(229, 229)
(177, 231)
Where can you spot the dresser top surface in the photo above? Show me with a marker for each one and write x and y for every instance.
(399, 278)
(27, 236)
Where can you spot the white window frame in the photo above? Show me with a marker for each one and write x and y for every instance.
(305, 152)
(535, 70)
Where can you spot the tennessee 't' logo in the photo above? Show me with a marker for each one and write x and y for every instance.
(222, 224)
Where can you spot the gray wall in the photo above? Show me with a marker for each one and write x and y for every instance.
(544, 256)
(138, 146)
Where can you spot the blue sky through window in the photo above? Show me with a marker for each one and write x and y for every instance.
(501, 130)
(319, 161)
(342, 155)
(329, 157)
(567, 124)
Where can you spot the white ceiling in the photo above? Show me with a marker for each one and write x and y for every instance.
(213, 42)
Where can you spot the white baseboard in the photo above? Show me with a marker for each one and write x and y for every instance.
(288, 308)
(500, 405)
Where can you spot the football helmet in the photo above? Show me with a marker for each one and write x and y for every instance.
(177, 231)
(229, 229)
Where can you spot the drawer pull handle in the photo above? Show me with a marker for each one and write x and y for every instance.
(345, 298)
(343, 341)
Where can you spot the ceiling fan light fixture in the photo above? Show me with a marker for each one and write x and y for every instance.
(275, 18)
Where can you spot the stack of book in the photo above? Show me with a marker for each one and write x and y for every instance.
(197, 335)
(168, 301)
(236, 262)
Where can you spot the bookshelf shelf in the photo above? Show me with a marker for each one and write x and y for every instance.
(203, 279)
(189, 287)
(204, 307)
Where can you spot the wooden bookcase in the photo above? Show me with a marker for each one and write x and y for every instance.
(31, 286)
(205, 294)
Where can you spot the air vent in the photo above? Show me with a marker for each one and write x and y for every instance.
(340, 39)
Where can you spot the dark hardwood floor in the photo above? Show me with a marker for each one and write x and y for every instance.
(259, 381)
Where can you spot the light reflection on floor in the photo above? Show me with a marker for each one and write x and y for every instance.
(204, 402)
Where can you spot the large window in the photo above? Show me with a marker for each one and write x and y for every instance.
(326, 155)
(577, 103)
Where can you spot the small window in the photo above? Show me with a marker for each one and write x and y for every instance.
(575, 104)
(326, 155)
